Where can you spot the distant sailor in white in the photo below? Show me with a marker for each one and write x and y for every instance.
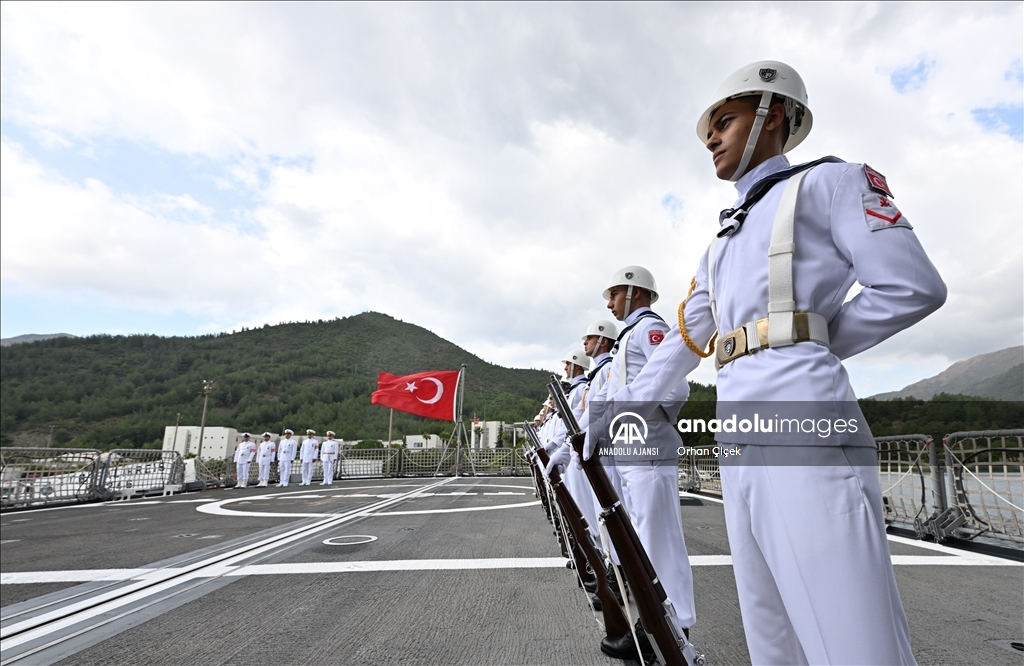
(264, 457)
(812, 565)
(286, 450)
(308, 455)
(243, 456)
(328, 456)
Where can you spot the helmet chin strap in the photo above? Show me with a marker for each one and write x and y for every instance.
(755, 132)
(629, 299)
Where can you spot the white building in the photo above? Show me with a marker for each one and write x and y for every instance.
(421, 442)
(484, 434)
(217, 442)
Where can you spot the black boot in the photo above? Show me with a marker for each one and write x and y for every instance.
(623, 647)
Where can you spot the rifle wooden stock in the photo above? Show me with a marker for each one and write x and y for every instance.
(615, 623)
(643, 580)
(577, 554)
(538, 484)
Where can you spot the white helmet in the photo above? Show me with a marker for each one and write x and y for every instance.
(767, 77)
(604, 328)
(632, 276)
(577, 357)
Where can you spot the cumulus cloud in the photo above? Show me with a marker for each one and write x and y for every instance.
(482, 170)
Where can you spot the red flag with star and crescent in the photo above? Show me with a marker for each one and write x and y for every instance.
(429, 394)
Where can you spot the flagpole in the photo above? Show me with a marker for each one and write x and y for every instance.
(391, 420)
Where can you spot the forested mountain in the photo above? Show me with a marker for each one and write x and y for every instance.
(106, 391)
(102, 391)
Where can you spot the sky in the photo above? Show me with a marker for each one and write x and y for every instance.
(480, 170)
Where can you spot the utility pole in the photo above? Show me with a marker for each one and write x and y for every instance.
(177, 420)
(207, 388)
(50, 438)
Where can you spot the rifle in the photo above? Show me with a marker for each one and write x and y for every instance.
(539, 463)
(615, 623)
(656, 613)
(538, 483)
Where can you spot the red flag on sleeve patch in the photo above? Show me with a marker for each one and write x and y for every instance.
(881, 213)
(655, 336)
(877, 182)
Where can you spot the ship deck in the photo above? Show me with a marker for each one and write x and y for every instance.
(454, 571)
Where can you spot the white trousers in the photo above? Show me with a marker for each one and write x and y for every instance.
(307, 473)
(650, 493)
(242, 474)
(811, 561)
(284, 471)
(265, 470)
(579, 487)
(328, 471)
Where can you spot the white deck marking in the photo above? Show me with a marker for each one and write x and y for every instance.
(460, 510)
(163, 579)
(316, 568)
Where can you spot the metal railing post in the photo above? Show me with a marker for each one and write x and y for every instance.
(938, 479)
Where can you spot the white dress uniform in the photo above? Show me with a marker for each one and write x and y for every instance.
(649, 485)
(264, 457)
(286, 450)
(328, 456)
(243, 456)
(308, 455)
(811, 560)
(575, 478)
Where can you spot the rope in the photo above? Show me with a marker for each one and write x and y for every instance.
(682, 327)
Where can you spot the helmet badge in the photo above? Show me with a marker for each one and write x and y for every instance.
(629, 275)
(767, 74)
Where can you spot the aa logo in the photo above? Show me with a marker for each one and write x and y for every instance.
(628, 428)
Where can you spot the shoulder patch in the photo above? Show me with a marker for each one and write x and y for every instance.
(655, 336)
(881, 213)
(876, 182)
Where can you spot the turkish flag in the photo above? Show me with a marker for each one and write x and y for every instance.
(429, 394)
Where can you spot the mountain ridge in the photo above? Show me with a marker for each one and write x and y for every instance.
(998, 374)
(122, 390)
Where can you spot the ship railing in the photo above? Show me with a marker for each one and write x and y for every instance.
(698, 472)
(984, 489)
(127, 473)
(31, 477)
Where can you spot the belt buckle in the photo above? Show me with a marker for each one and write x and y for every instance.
(732, 346)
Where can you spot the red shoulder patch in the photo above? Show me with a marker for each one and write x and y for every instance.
(655, 336)
(877, 182)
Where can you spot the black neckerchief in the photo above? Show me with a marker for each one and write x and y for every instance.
(593, 373)
(732, 219)
(642, 315)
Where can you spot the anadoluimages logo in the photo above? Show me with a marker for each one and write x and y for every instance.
(626, 428)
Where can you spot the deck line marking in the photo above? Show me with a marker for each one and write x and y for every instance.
(460, 510)
(61, 618)
(316, 568)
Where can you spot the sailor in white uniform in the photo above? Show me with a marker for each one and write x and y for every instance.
(597, 342)
(243, 456)
(577, 363)
(577, 369)
(648, 481)
(810, 556)
(328, 456)
(308, 455)
(264, 457)
(286, 450)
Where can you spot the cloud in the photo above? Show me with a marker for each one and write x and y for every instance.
(480, 170)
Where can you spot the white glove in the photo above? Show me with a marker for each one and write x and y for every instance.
(560, 457)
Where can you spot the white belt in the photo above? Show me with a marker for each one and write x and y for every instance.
(754, 335)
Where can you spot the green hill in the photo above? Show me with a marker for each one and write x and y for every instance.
(104, 391)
